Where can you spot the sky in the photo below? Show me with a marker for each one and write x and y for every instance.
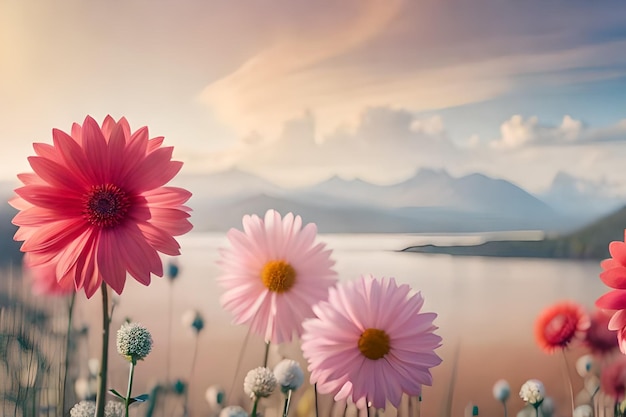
(297, 91)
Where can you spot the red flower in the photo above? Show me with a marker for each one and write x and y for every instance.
(559, 325)
(96, 208)
(45, 282)
(614, 276)
(599, 338)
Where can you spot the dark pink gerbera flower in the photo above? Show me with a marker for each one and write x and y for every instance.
(96, 207)
(614, 276)
(559, 325)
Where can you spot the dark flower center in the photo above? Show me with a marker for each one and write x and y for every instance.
(374, 343)
(106, 205)
(278, 276)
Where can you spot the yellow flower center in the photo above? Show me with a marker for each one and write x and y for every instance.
(374, 343)
(278, 276)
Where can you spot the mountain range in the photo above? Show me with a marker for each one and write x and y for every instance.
(431, 201)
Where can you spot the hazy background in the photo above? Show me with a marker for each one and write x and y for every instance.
(299, 91)
(364, 116)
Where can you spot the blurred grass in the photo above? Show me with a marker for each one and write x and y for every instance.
(32, 342)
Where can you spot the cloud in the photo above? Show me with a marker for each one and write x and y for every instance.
(517, 132)
(414, 55)
(385, 145)
(282, 80)
(388, 145)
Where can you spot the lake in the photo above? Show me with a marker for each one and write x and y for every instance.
(486, 308)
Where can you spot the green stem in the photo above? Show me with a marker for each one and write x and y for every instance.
(193, 367)
(569, 380)
(316, 404)
(419, 406)
(287, 402)
(267, 353)
(169, 336)
(68, 340)
(254, 406)
(130, 386)
(238, 367)
(104, 358)
(505, 410)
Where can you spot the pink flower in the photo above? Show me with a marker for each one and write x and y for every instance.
(370, 342)
(44, 280)
(95, 207)
(614, 276)
(613, 379)
(600, 339)
(559, 325)
(273, 275)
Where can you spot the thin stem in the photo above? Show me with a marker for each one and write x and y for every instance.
(254, 406)
(536, 411)
(287, 402)
(169, 335)
(317, 414)
(169, 342)
(131, 372)
(267, 353)
(419, 405)
(68, 340)
(569, 380)
(104, 358)
(505, 410)
(193, 366)
(238, 367)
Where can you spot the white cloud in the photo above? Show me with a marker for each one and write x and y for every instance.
(384, 146)
(393, 54)
(517, 132)
(388, 145)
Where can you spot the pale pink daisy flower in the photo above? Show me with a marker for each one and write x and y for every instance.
(273, 274)
(96, 206)
(371, 343)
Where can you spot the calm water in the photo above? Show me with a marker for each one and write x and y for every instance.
(470, 294)
(481, 302)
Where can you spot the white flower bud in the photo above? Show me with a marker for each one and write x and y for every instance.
(259, 382)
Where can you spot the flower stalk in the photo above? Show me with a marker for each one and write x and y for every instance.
(254, 407)
(68, 340)
(131, 373)
(267, 353)
(104, 357)
(568, 377)
(193, 366)
(287, 403)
